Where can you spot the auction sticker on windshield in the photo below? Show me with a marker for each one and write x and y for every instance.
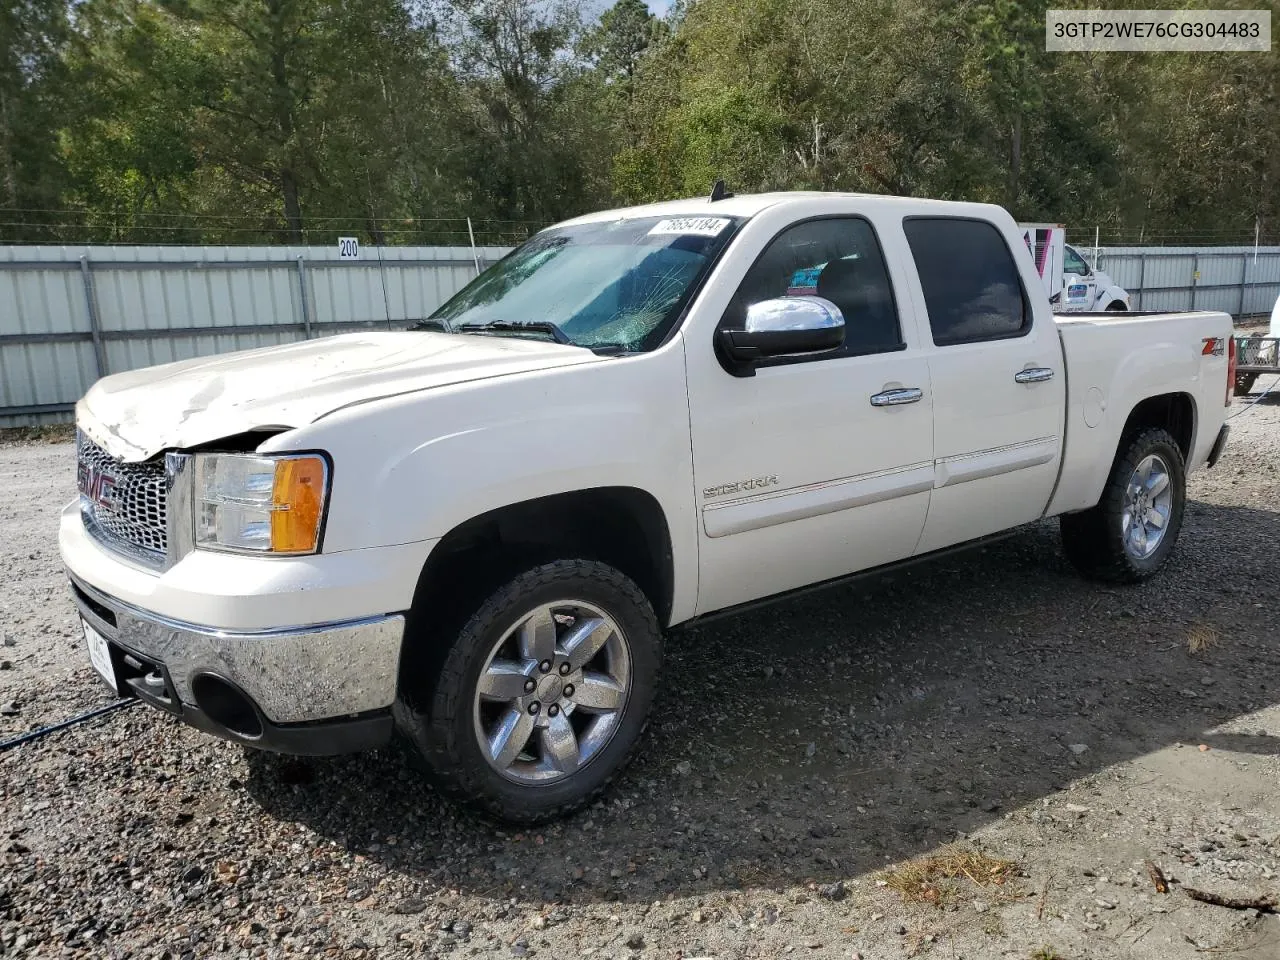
(689, 226)
(100, 655)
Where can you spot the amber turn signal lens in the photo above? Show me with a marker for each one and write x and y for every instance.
(297, 500)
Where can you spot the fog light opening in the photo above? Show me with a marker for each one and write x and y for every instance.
(226, 705)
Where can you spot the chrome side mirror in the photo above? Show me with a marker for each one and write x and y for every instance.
(781, 327)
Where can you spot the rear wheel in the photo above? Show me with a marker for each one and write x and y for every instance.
(543, 694)
(1129, 535)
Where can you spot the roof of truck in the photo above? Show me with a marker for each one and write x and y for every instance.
(750, 204)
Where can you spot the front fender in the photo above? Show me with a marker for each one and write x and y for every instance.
(1109, 295)
(470, 472)
(412, 468)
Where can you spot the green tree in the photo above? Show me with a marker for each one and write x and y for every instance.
(128, 137)
(531, 127)
(618, 43)
(33, 37)
(284, 112)
(270, 120)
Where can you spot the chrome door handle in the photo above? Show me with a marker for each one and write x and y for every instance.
(1033, 375)
(897, 397)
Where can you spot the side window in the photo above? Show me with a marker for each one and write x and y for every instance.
(1074, 263)
(971, 285)
(838, 259)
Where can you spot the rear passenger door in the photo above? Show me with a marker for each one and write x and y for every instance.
(997, 377)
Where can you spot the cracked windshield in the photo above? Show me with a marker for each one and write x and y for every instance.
(617, 285)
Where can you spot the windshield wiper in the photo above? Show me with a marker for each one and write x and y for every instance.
(519, 326)
(609, 349)
(434, 323)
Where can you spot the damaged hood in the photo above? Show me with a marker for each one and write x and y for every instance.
(136, 415)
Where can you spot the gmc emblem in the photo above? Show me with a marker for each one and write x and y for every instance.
(98, 485)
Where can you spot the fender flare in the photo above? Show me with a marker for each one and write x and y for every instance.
(1112, 294)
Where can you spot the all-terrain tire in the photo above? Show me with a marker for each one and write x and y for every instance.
(1094, 540)
(436, 713)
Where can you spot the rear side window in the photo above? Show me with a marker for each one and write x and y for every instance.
(971, 285)
(839, 259)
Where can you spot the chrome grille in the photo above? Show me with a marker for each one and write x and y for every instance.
(124, 504)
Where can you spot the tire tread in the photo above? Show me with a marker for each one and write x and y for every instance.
(429, 723)
(1091, 539)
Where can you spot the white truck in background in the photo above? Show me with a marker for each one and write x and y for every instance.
(476, 532)
(1070, 282)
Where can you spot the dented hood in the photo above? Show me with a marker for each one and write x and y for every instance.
(136, 415)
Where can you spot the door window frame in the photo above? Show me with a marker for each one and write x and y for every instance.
(817, 357)
(1068, 249)
(1028, 315)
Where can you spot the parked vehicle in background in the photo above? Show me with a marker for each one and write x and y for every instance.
(1258, 355)
(1099, 291)
(1069, 281)
(477, 531)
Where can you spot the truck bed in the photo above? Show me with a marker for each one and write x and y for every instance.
(1114, 361)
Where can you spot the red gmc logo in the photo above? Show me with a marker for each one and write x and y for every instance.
(98, 485)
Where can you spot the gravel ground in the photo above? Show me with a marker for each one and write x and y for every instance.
(801, 760)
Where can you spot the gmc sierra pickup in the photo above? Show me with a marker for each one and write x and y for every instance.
(475, 532)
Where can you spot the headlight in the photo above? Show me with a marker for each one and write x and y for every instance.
(260, 504)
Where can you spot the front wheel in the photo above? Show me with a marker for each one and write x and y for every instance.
(543, 694)
(1129, 535)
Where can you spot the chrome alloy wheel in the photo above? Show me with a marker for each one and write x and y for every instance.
(552, 692)
(1148, 504)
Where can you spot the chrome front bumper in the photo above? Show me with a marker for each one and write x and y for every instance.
(301, 675)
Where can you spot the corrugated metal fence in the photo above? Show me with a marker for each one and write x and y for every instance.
(1241, 281)
(69, 315)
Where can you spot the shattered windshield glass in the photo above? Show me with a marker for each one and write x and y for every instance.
(618, 284)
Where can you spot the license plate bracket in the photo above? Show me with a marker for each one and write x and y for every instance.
(100, 655)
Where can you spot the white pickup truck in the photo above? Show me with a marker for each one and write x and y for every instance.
(476, 532)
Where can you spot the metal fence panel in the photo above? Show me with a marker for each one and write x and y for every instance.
(1241, 281)
(36, 302)
(71, 314)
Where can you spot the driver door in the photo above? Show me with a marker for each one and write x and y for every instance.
(800, 477)
(1080, 286)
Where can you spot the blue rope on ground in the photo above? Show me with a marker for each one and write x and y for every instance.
(63, 724)
(1260, 396)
